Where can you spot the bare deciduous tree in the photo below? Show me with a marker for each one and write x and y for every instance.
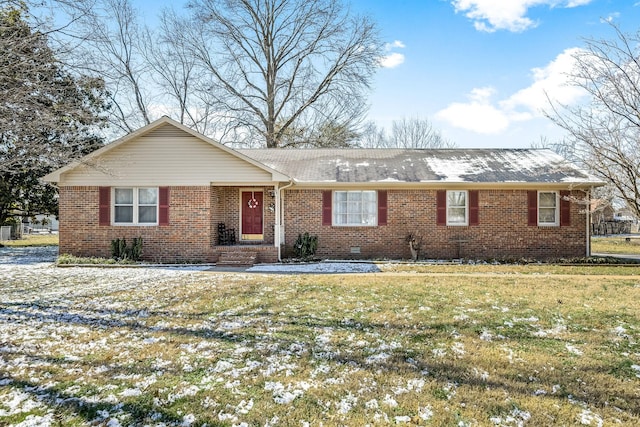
(606, 131)
(372, 136)
(405, 133)
(108, 38)
(416, 133)
(176, 75)
(276, 64)
(562, 147)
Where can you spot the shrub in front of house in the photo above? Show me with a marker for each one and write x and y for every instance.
(305, 246)
(121, 251)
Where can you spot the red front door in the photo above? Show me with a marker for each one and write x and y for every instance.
(252, 209)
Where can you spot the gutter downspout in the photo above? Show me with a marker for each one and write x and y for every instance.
(279, 217)
(588, 216)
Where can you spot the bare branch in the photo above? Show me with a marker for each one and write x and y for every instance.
(605, 133)
(277, 64)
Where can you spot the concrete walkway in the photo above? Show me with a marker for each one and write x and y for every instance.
(630, 257)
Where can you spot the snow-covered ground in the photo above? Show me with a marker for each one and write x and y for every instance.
(47, 255)
(100, 346)
(52, 318)
(10, 255)
(317, 268)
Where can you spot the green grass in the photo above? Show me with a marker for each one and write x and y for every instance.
(33, 240)
(615, 245)
(456, 345)
(66, 259)
(511, 269)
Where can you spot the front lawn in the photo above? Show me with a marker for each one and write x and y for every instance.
(615, 245)
(48, 239)
(92, 346)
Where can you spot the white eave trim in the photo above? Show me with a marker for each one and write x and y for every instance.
(390, 185)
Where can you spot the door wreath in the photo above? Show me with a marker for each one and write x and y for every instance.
(252, 203)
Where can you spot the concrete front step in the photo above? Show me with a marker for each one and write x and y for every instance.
(237, 259)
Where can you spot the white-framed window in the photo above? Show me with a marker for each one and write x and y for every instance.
(135, 206)
(548, 208)
(355, 208)
(457, 207)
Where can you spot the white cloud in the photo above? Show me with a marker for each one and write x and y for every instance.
(478, 115)
(396, 43)
(576, 3)
(510, 15)
(549, 83)
(392, 59)
(483, 115)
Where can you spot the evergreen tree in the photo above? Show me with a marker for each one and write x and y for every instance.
(48, 117)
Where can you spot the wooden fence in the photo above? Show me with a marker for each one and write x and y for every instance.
(611, 227)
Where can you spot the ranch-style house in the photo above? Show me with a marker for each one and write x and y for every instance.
(192, 199)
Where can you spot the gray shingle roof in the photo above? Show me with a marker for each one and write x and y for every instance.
(422, 165)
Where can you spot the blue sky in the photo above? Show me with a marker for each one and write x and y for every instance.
(479, 69)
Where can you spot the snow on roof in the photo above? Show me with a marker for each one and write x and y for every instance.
(422, 165)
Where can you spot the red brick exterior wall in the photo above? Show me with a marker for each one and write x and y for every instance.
(503, 231)
(194, 213)
(187, 238)
(192, 233)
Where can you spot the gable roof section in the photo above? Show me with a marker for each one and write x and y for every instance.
(473, 166)
(165, 126)
(392, 167)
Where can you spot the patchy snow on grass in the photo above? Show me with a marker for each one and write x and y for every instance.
(179, 347)
(573, 349)
(316, 268)
(588, 418)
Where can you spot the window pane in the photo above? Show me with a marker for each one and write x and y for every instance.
(354, 196)
(124, 214)
(457, 215)
(147, 214)
(369, 196)
(369, 219)
(147, 196)
(547, 200)
(124, 196)
(369, 208)
(340, 196)
(341, 219)
(547, 215)
(457, 198)
(457, 207)
(355, 208)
